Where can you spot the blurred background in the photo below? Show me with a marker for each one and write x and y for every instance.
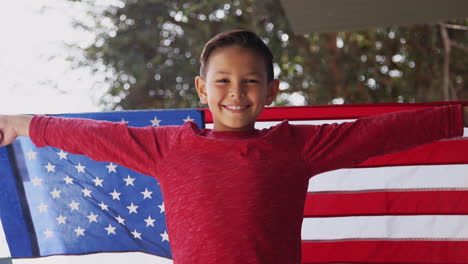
(62, 56)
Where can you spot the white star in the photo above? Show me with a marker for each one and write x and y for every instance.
(165, 236)
(61, 219)
(136, 234)
(79, 231)
(92, 217)
(98, 182)
(155, 121)
(50, 167)
(188, 119)
(124, 121)
(110, 229)
(132, 209)
(104, 206)
(68, 180)
(48, 233)
(162, 207)
(146, 194)
(86, 192)
(120, 220)
(74, 206)
(80, 167)
(42, 208)
(149, 221)
(55, 193)
(37, 181)
(31, 155)
(129, 181)
(62, 154)
(115, 195)
(111, 167)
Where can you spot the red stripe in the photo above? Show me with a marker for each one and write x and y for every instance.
(385, 251)
(330, 112)
(440, 152)
(386, 203)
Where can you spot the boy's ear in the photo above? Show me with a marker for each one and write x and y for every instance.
(201, 89)
(273, 88)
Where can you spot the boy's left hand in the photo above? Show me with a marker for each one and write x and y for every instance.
(13, 126)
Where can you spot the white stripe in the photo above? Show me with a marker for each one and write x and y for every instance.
(4, 249)
(399, 177)
(419, 227)
(99, 258)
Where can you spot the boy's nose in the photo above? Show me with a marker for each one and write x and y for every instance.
(237, 91)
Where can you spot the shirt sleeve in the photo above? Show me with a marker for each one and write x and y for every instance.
(138, 148)
(334, 146)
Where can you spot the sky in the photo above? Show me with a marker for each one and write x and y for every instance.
(35, 77)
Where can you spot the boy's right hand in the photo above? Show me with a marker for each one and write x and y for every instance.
(13, 126)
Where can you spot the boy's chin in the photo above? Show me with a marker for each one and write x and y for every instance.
(235, 126)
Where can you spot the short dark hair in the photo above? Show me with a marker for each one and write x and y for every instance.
(240, 37)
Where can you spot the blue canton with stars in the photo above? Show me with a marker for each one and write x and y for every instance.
(80, 206)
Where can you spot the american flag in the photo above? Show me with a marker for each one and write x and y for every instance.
(69, 204)
(407, 207)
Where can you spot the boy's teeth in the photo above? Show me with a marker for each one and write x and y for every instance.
(233, 107)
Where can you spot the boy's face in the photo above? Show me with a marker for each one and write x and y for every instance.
(236, 88)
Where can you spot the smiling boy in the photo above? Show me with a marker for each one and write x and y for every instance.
(235, 194)
(239, 83)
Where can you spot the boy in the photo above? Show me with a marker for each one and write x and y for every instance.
(243, 198)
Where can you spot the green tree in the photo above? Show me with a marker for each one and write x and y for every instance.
(150, 50)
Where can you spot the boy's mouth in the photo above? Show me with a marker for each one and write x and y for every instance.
(236, 108)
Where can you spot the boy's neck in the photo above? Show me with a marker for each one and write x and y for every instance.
(230, 129)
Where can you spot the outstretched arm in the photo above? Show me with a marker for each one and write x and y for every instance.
(138, 148)
(332, 146)
(12, 127)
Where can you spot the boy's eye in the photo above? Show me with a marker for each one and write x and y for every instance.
(226, 81)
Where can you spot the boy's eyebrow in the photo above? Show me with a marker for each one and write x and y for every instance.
(222, 72)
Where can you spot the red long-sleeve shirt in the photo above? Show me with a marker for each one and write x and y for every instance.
(238, 197)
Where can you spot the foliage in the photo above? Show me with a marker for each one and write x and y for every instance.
(150, 51)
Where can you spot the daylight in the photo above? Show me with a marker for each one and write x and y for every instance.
(34, 72)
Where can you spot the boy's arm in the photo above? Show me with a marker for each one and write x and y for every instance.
(134, 147)
(333, 146)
